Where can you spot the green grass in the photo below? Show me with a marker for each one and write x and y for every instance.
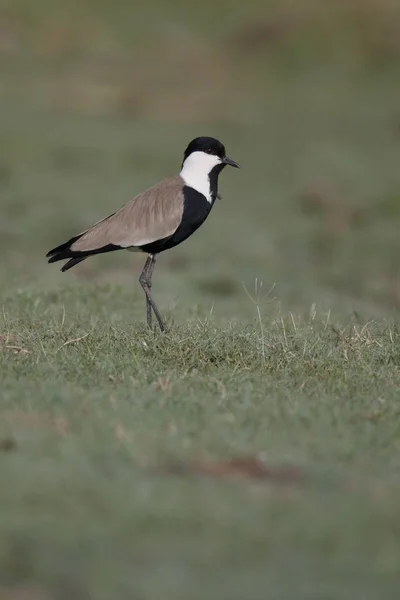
(88, 497)
(283, 340)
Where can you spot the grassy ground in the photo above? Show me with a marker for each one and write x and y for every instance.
(253, 450)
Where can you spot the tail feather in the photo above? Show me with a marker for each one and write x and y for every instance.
(64, 252)
(63, 247)
(72, 262)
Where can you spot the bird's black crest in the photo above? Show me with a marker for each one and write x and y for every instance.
(205, 144)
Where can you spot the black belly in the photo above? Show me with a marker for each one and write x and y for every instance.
(195, 211)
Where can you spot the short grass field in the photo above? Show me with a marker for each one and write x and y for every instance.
(251, 452)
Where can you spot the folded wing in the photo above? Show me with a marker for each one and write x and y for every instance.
(152, 215)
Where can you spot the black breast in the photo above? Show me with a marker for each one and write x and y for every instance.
(196, 209)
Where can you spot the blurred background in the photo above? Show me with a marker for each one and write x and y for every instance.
(99, 99)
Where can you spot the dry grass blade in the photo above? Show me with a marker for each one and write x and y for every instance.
(74, 341)
(257, 299)
(18, 349)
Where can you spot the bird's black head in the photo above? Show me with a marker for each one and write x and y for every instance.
(210, 146)
(203, 161)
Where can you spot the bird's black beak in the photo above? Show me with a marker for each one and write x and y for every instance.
(228, 161)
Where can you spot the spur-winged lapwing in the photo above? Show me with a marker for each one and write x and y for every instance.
(159, 218)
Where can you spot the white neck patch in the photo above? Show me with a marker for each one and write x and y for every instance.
(196, 170)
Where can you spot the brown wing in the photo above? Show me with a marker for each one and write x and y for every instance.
(150, 216)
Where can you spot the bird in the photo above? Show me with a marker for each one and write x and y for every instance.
(161, 217)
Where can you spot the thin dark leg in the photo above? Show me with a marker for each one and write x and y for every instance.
(145, 282)
(149, 285)
(146, 276)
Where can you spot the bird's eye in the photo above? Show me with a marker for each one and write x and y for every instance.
(208, 151)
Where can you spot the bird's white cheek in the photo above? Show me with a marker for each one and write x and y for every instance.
(196, 169)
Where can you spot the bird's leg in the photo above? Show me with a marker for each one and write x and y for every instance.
(145, 282)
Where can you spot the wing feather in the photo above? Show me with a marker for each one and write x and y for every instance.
(152, 215)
